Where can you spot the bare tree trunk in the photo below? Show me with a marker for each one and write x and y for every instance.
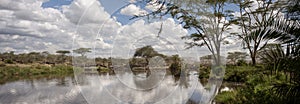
(253, 60)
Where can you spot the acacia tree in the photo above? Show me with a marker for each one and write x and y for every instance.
(8, 57)
(211, 27)
(207, 20)
(82, 51)
(146, 52)
(63, 54)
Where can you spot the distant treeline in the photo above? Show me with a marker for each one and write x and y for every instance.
(34, 57)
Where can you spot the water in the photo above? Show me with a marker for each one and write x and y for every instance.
(103, 89)
(41, 91)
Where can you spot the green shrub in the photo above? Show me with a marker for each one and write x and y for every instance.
(227, 97)
(2, 64)
(8, 61)
(103, 69)
(241, 63)
(175, 68)
(35, 70)
(239, 73)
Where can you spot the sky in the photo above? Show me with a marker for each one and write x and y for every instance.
(104, 26)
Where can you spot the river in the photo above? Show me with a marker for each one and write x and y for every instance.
(104, 89)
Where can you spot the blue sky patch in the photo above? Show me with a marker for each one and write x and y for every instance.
(56, 3)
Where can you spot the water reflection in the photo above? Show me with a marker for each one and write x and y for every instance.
(41, 91)
(103, 89)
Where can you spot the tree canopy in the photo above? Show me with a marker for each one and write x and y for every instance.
(146, 52)
(82, 51)
(63, 52)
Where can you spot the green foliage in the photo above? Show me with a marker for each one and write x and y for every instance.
(8, 61)
(255, 21)
(63, 52)
(82, 51)
(103, 69)
(239, 73)
(137, 62)
(207, 23)
(146, 52)
(34, 57)
(175, 67)
(287, 61)
(257, 89)
(204, 71)
(241, 63)
(227, 97)
(261, 87)
(2, 64)
(287, 91)
(34, 70)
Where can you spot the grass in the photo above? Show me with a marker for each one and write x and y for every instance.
(228, 97)
(10, 73)
(6, 79)
(34, 70)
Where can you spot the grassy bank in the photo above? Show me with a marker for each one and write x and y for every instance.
(259, 86)
(34, 70)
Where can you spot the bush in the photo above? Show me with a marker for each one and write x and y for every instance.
(239, 73)
(34, 70)
(2, 64)
(103, 69)
(8, 61)
(175, 68)
(227, 97)
(241, 63)
(257, 89)
(204, 72)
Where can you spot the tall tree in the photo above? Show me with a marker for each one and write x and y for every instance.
(33, 57)
(63, 55)
(207, 20)
(288, 61)
(175, 67)
(211, 25)
(254, 17)
(146, 52)
(82, 51)
(62, 52)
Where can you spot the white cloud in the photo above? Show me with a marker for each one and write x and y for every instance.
(132, 10)
(85, 11)
(26, 26)
(141, 33)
